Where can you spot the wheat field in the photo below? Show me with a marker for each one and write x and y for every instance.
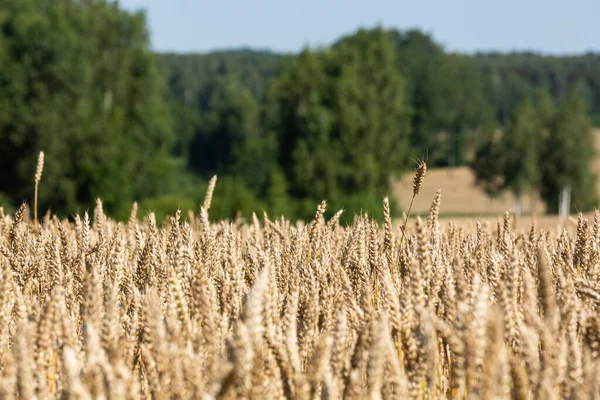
(272, 309)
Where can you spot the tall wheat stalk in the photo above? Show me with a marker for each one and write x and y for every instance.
(38, 177)
(417, 184)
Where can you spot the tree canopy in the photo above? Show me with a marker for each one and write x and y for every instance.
(78, 82)
(342, 119)
(543, 149)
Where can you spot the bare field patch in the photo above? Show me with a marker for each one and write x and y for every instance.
(461, 195)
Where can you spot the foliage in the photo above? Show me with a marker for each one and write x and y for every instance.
(192, 77)
(509, 78)
(488, 166)
(233, 198)
(542, 149)
(342, 119)
(568, 156)
(166, 205)
(277, 197)
(521, 144)
(447, 98)
(78, 82)
(230, 122)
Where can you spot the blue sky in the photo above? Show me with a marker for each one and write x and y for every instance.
(548, 26)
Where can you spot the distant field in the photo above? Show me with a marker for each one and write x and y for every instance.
(462, 198)
(459, 193)
(464, 205)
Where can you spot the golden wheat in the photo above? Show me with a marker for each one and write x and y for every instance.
(38, 176)
(274, 309)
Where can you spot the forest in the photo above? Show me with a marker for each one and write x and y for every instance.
(80, 82)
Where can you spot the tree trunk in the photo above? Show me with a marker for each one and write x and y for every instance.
(518, 205)
(564, 202)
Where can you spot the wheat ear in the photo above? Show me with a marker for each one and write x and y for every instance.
(38, 177)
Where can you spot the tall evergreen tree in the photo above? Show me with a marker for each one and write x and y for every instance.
(342, 120)
(373, 117)
(512, 160)
(302, 115)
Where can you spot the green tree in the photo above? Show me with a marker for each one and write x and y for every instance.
(255, 161)
(230, 140)
(232, 197)
(509, 78)
(568, 153)
(278, 200)
(488, 166)
(513, 160)
(342, 120)
(231, 120)
(545, 110)
(421, 61)
(78, 82)
(373, 117)
(469, 119)
(302, 117)
(521, 144)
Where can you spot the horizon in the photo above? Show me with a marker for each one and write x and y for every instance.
(482, 52)
(549, 28)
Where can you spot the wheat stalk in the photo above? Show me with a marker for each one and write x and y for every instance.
(417, 185)
(38, 176)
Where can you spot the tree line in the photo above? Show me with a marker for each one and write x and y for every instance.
(544, 148)
(282, 131)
